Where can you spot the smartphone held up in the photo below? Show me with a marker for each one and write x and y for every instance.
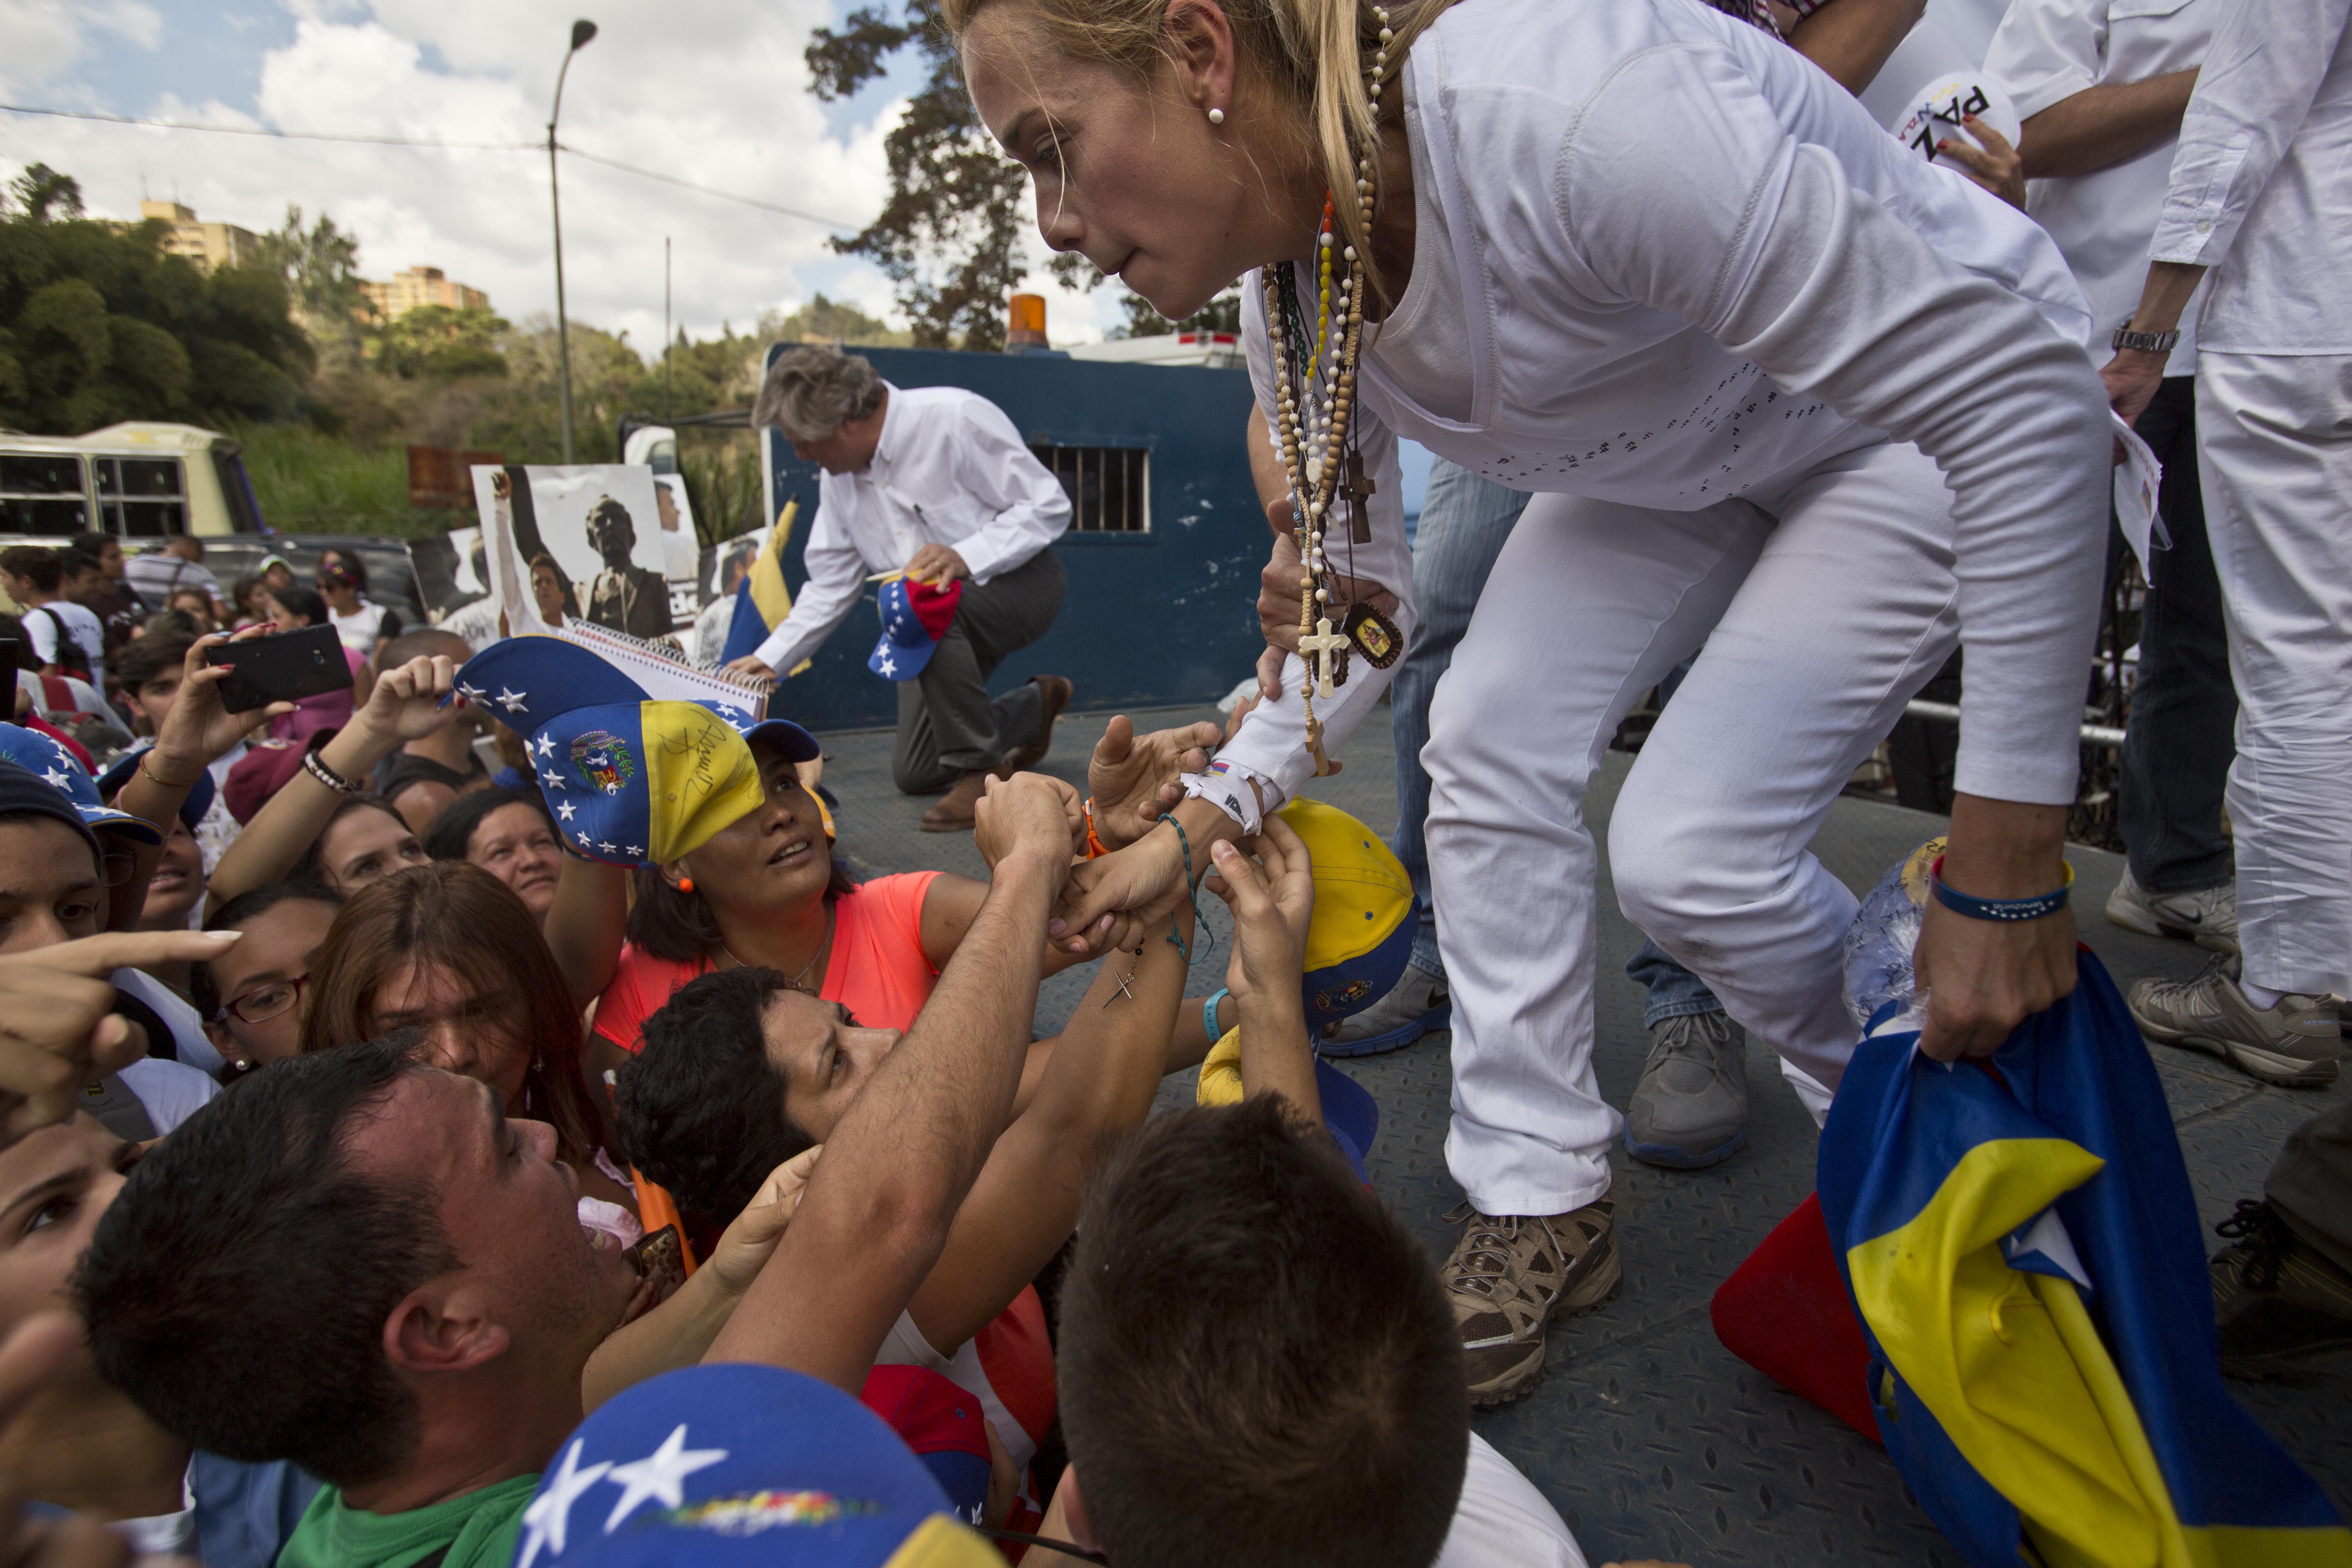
(282, 666)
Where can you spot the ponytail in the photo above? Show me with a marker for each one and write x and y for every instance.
(1312, 54)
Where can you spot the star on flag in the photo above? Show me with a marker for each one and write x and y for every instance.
(566, 810)
(513, 701)
(659, 1474)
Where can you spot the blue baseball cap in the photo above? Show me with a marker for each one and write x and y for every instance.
(46, 760)
(907, 644)
(740, 1464)
(191, 810)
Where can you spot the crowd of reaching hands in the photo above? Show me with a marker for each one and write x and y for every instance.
(360, 1142)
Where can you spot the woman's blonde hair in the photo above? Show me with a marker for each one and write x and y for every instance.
(1312, 52)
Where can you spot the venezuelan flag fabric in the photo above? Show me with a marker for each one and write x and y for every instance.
(2023, 1248)
(761, 599)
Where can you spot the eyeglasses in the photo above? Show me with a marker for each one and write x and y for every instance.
(264, 1003)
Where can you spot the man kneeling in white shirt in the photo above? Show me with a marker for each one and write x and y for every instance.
(934, 483)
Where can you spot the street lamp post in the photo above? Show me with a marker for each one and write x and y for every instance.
(582, 31)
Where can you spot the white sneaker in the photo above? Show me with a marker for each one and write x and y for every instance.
(2208, 918)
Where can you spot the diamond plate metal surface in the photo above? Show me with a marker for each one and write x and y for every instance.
(1650, 1437)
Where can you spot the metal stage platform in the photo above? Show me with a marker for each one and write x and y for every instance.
(1648, 1436)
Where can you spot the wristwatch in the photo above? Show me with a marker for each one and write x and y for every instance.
(2147, 343)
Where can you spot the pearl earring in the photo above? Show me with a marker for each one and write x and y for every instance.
(1216, 117)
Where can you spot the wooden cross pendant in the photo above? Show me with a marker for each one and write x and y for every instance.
(1323, 768)
(1359, 490)
(1320, 645)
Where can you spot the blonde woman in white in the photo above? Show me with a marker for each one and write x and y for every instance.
(1782, 387)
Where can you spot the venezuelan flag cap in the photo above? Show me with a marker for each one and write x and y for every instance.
(642, 783)
(1362, 931)
(740, 1465)
(913, 617)
(54, 765)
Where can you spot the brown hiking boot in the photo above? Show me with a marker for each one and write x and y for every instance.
(952, 812)
(1054, 695)
(1512, 1274)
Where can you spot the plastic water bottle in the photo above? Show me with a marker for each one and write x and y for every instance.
(1878, 944)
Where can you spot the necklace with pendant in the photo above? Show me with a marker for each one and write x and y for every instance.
(1315, 397)
(822, 948)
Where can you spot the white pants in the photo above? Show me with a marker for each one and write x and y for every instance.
(1823, 607)
(2275, 432)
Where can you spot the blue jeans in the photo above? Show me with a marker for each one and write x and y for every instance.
(2183, 730)
(1464, 520)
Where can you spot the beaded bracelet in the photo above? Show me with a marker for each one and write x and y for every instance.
(2005, 909)
(1192, 891)
(329, 776)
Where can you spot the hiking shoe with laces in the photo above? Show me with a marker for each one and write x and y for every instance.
(1690, 1109)
(2275, 1298)
(2295, 1044)
(1510, 1275)
(2208, 918)
(1416, 1005)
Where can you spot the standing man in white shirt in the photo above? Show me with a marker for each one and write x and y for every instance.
(937, 483)
(2101, 86)
(2261, 196)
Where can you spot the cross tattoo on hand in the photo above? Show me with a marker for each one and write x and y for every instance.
(1322, 645)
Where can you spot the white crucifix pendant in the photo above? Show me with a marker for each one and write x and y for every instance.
(1321, 646)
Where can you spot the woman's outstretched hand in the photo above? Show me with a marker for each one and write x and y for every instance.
(1273, 903)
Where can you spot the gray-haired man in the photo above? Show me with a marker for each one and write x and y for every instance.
(936, 482)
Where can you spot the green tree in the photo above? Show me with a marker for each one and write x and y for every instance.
(949, 238)
(830, 321)
(438, 343)
(40, 188)
(320, 264)
(97, 324)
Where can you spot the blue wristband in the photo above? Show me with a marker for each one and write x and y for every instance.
(2005, 909)
(1216, 999)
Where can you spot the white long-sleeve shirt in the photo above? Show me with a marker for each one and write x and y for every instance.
(2046, 52)
(949, 470)
(1680, 263)
(2261, 181)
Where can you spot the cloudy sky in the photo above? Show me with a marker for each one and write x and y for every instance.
(711, 91)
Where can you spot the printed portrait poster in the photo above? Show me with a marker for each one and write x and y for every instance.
(451, 572)
(577, 543)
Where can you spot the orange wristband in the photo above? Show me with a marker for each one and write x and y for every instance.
(1095, 847)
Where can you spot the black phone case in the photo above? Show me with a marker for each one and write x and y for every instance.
(282, 668)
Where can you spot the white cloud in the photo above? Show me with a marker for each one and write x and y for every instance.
(47, 38)
(709, 91)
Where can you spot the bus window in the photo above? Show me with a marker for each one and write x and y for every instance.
(41, 493)
(143, 498)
